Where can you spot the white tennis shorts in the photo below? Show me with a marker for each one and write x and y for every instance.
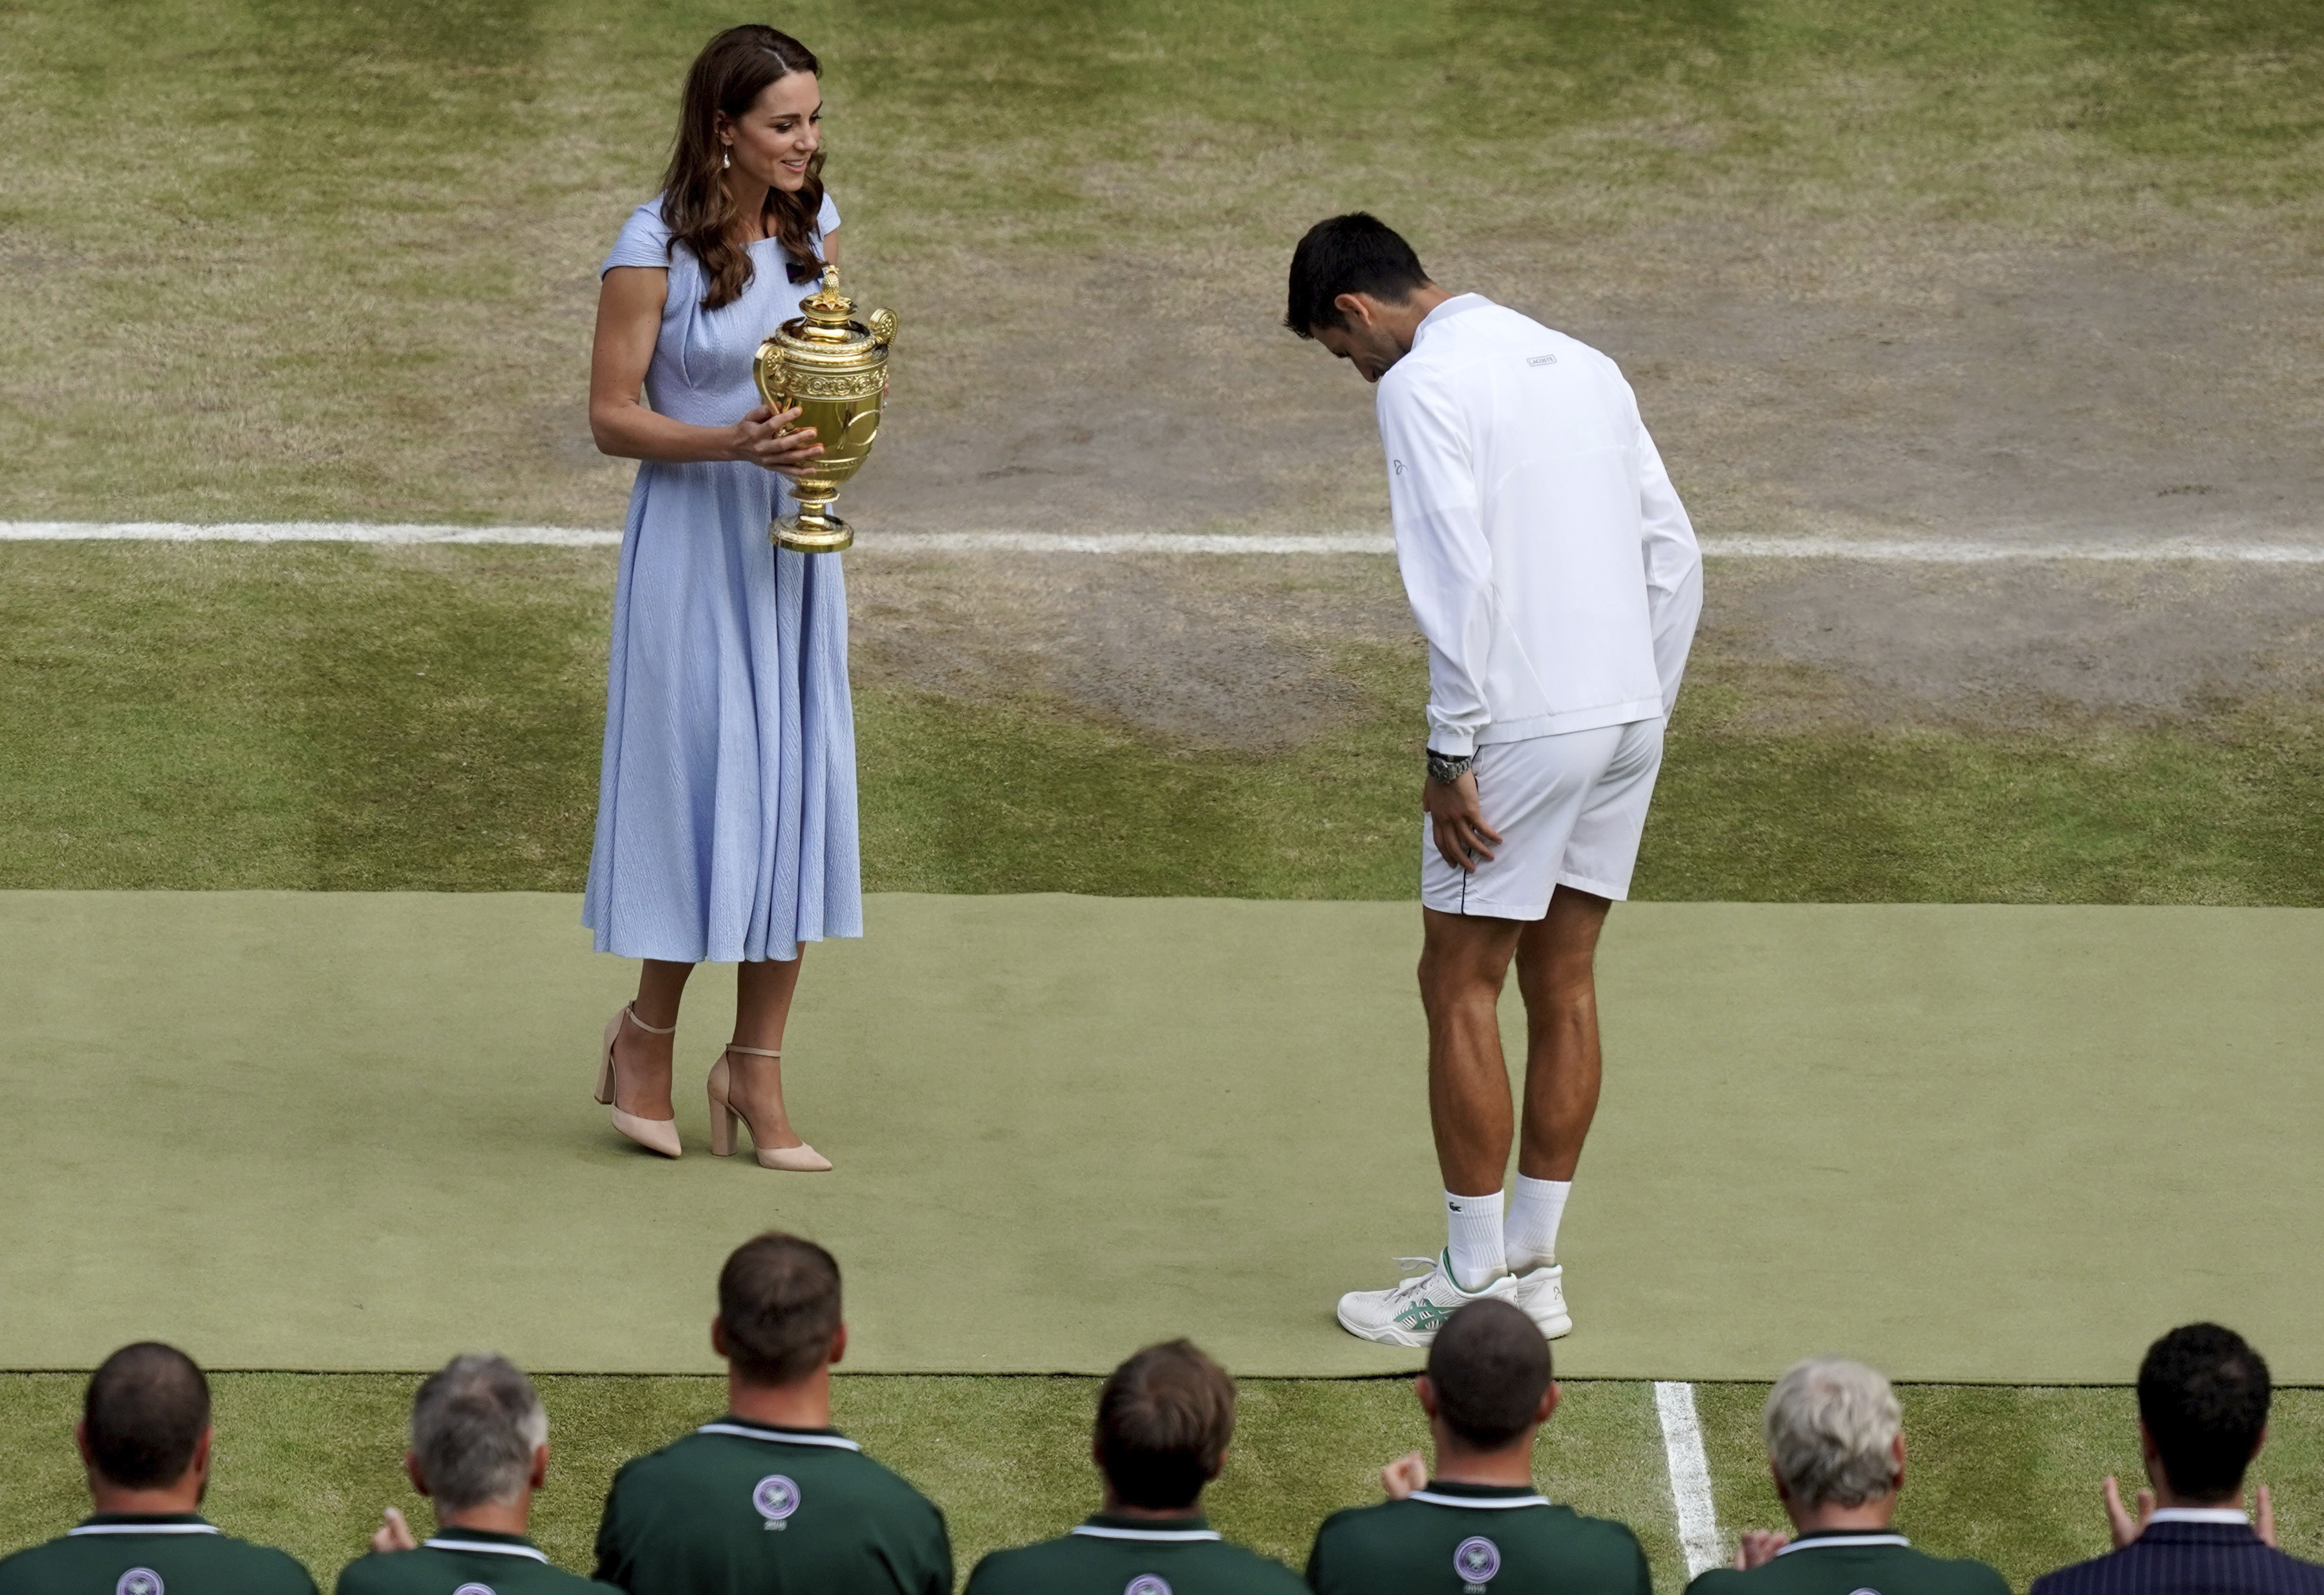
(1570, 810)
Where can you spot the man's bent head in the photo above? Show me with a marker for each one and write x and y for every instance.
(1832, 1428)
(1350, 277)
(143, 1416)
(1488, 1373)
(1164, 1420)
(477, 1428)
(2203, 1395)
(779, 1309)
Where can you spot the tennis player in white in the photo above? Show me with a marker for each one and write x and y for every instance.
(1552, 568)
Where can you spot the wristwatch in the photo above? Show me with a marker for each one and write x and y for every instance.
(1445, 768)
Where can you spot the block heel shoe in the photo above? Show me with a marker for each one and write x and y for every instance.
(655, 1135)
(724, 1116)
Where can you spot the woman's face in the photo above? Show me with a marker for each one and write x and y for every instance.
(772, 141)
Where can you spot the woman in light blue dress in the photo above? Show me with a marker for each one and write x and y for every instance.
(726, 804)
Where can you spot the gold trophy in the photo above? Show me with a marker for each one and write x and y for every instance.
(835, 372)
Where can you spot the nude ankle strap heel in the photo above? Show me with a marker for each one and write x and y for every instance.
(655, 1135)
(724, 1116)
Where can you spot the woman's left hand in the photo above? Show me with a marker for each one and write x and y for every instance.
(766, 437)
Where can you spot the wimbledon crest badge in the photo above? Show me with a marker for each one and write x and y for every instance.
(1147, 1583)
(1475, 1559)
(138, 1581)
(474, 1589)
(776, 1497)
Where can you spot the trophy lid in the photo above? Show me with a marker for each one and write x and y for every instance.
(825, 315)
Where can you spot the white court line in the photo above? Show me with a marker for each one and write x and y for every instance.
(295, 531)
(1136, 542)
(1690, 1477)
(1887, 551)
(1946, 552)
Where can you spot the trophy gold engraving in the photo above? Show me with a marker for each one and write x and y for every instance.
(835, 371)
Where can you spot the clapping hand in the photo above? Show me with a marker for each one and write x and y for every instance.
(764, 438)
(2119, 1523)
(394, 1534)
(1405, 1475)
(1758, 1547)
(2126, 1528)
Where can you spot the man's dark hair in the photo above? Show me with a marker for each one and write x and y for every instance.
(1490, 1366)
(2203, 1393)
(778, 1300)
(144, 1412)
(1354, 253)
(1163, 1423)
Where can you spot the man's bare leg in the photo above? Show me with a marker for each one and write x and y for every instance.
(1556, 958)
(1463, 962)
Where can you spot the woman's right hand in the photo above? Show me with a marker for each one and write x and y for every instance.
(762, 438)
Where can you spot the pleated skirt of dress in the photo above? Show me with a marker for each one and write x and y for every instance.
(726, 826)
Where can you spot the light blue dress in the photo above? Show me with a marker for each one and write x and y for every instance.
(726, 801)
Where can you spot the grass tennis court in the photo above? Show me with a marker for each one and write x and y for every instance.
(290, 665)
(334, 261)
(346, 267)
(233, 718)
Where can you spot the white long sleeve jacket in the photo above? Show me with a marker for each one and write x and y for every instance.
(1547, 557)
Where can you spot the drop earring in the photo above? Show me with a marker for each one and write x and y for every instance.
(726, 161)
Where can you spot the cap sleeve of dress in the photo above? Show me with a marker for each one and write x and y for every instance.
(827, 220)
(644, 240)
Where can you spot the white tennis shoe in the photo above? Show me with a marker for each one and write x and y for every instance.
(1408, 1315)
(1540, 1293)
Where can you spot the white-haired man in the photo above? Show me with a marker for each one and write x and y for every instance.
(479, 1450)
(1836, 1445)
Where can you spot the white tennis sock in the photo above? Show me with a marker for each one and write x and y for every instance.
(1475, 1245)
(1530, 1240)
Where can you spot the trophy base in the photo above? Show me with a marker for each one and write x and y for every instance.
(819, 534)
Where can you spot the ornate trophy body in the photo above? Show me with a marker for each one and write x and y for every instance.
(835, 371)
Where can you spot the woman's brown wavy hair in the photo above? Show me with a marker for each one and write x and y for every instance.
(728, 76)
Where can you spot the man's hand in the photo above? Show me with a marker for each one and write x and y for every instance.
(1758, 1547)
(2125, 1529)
(394, 1534)
(2120, 1522)
(1405, 1475)
(1457, 821)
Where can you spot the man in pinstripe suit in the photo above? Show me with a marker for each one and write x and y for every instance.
(2202, 1414)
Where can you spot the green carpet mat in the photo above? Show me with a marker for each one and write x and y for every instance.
(354, 1131)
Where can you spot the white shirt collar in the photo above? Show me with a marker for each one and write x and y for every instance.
(1483, 1503)
(1829, 1540)
(2198, 1515)
(779, 1436)
(1459, 304)
(489, 1547)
